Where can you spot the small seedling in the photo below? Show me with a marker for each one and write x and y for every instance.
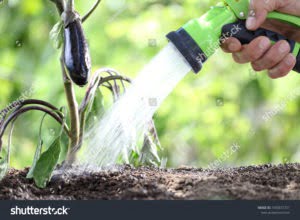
(75, 61)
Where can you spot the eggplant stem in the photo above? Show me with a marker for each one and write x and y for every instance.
(115, 89)
(70, 5)
(110, 78)
(5, 111)
(97, 81)
(73, 110)
(60, 5)
(69, 89)
(90, 12)
(43, 103)
(21, 111)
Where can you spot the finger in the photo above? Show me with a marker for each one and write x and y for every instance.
(284, 67)
(273, 56)
(253, 51)
(231, 45)
(258, 11)
(283, 28)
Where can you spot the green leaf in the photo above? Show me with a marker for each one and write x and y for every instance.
(134, 158)
(38, 150)
(46, 164)
(56, 35)
(151, 146)
(64, 146)
(63, 149)
(95, 109)
(37, 155)
(149, 152)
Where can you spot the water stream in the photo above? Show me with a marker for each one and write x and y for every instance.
(119, 129)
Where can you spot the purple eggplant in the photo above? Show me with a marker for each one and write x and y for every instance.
(76, 53)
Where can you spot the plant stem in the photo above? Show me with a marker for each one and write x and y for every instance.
(95, 82)
(69, 90)
(60, 5)
(17, 113)
(111, 78)
(5, 112)
(82, 126)
(42, 103)
(73, 111)
(87, 15)
(70, 5)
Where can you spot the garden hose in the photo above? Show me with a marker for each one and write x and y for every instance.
(198, 39)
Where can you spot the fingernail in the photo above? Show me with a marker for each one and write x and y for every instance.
(284, 47)
(264, 43)
(251, 23)
(290, 60)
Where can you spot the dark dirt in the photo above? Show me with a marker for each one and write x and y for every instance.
(255, 182)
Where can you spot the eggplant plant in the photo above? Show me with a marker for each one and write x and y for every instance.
(75, 63)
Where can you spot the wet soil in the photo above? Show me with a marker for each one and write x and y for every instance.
(268, 182)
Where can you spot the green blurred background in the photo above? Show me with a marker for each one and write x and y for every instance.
(198, 123)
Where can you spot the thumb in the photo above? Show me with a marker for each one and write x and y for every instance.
(258, 11)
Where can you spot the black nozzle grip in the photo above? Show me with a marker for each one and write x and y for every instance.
(239, 31)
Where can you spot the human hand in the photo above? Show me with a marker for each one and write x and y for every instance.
(262, 55)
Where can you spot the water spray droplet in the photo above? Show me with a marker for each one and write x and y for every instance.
(220, 102)
(120, 129)
(18, 43)
(152, 42)
(153, 102)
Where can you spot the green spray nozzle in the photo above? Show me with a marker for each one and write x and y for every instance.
(198, 39)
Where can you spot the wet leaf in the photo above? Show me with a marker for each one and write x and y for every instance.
(151, 146)
(46, 164)
(56, 35)
(149, 152)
